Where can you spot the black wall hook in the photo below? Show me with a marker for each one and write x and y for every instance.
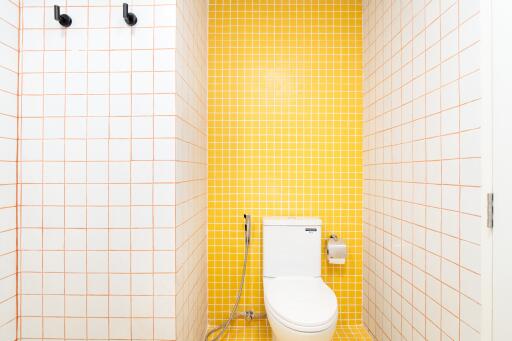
(63, 19)
(129, 18)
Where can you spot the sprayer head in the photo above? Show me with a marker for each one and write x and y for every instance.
(247, 224)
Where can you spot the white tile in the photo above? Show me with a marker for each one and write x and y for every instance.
(32, 84)
(470, 228)
(450, 197)
(468, 8)
(144, 38)
(450, 172)
(470, 58)
(75, 305)
(99, 39)
(469, 31)
(433, 242)
(432, 11)
(470, 284)
(32, 327)
(165, 328)
(97, 328)
(98, 17)
(433, 193)
(119, 328)
(142, 60)
(142, 149)
(120, 38)
(450, 248)
(143, 82)
(54, 39)
(32, 61)
(449, 19)
(470, 312)
(121, 83)
(164, 261)
(145, 16)
(142, 261)
(446, 5)
(450, 95)
(470, 200)
(142, 172)
(468, 333)
(470, 87)
(450, 146)
(450, 222)
(164, 82)
(165, 37)
(450, 273)
(450, 324)
(470, 256)
(450, 299)
(433, 147)
(165, 16)
(164, 60)
(470, 172)
(449, 45)
(79, 14)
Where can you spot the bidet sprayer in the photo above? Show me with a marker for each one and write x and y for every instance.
(247, 218)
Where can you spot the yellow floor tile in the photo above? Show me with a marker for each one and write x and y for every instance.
(263, 333)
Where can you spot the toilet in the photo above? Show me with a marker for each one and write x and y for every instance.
(299, 305)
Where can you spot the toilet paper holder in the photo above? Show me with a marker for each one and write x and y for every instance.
(336, 250)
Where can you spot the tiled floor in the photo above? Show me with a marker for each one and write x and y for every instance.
(343, 333)
(352, 332)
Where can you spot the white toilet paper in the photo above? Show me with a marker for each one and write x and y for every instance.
(336, 250)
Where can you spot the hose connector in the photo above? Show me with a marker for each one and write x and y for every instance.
(249, 315)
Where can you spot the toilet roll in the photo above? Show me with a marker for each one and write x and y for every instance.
(336, 250)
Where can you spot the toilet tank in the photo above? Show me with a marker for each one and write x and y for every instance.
(291, 246)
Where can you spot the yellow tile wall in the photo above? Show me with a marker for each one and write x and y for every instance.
(284, 138)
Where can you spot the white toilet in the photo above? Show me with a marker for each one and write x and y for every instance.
(299, 305)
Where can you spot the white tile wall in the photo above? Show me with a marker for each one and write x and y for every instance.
(111, 194)
(9, 27)
(191, 169)
(421, 169)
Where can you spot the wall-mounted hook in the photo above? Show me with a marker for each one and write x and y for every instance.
(63, 19)
(129, 18)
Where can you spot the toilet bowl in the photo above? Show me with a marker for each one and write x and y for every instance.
(300, 308)
(299, 305)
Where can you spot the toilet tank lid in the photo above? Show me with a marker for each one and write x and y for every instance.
(291, 221)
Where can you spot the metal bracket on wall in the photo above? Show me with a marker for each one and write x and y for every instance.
(129, 18)
(63, 19)
(490, 210)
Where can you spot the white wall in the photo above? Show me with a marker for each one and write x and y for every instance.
(9, 14)
(105, 226)
(191, 169)
(422, 169)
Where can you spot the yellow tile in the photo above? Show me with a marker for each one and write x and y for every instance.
(253, 331)
(284, 138)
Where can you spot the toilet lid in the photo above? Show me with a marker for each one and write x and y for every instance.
(302, 302)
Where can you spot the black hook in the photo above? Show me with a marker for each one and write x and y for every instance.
(129, 18)
(63, 19)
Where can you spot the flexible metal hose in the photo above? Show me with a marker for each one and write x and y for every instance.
(223, 327)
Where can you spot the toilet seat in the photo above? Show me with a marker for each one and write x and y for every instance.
(303, 304)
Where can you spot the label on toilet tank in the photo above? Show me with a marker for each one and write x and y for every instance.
(311, 229)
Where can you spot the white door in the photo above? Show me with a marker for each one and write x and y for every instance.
(501, 23)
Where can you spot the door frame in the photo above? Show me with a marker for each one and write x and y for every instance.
(493, 28)
(487, 143)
